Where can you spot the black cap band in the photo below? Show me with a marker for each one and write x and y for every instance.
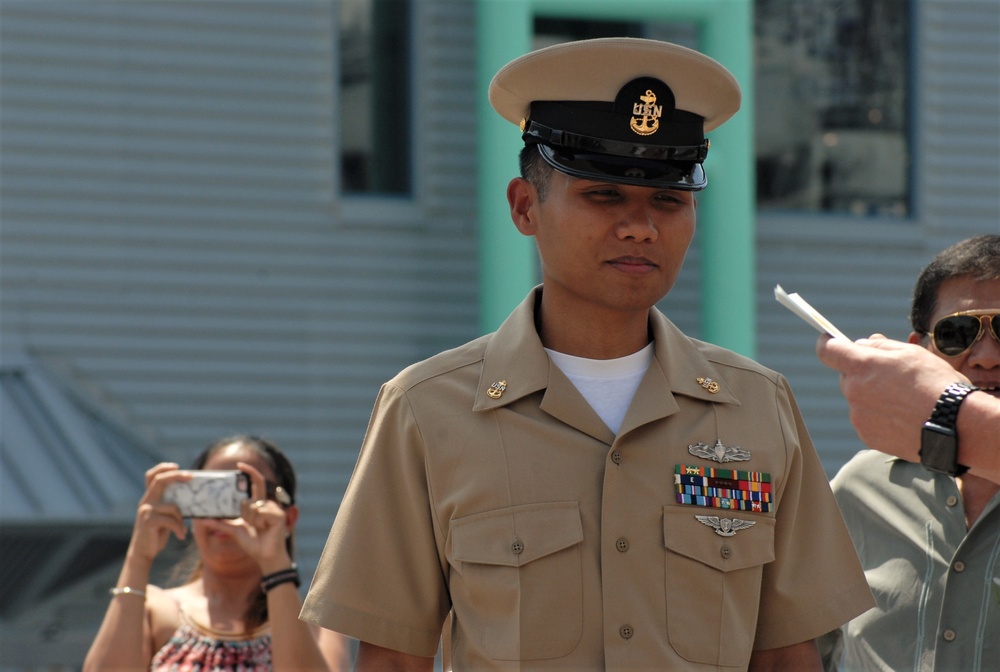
(539, 133)
(639, 138)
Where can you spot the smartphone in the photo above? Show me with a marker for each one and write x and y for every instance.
(210, 494)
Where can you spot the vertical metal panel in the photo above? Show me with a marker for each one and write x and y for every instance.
(170, 225)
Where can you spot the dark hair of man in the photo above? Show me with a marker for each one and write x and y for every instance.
(190, 567)
(977, 258)
(535, 170)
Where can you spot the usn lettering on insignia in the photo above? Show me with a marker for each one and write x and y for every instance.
(496, 389)
(723, 488)
(646, 114)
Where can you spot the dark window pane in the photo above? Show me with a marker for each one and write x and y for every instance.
(375, 117)
(832, 130)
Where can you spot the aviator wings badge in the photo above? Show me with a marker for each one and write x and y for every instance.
(725, 527)
(718, 452)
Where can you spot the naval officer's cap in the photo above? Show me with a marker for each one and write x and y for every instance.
(627, 110)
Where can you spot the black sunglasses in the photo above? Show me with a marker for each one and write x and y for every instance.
(954, 334)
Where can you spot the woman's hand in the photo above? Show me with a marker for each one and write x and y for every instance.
(263, 526)
(124, 640)
(156, 520)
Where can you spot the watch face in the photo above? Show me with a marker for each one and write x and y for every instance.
(939, 449)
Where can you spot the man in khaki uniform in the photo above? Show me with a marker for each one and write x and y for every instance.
(588, 488)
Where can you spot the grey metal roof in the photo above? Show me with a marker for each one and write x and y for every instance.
(70, 477)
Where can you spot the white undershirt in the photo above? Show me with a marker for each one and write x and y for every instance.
(608, 385)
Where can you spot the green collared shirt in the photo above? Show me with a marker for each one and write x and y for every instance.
(937, 586)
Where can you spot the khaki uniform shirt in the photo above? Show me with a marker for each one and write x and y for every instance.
(937, 586)
(487, 486)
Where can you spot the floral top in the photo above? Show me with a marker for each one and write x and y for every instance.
(198, 648)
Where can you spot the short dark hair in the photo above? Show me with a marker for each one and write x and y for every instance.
(977, 258)
(535, 170)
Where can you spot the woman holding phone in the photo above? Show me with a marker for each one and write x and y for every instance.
(238, 607)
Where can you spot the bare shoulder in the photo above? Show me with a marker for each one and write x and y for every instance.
(163, 613)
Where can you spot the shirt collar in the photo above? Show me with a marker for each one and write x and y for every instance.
(516, 362)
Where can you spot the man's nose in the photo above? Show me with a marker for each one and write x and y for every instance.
(985, 353)
(638, 224)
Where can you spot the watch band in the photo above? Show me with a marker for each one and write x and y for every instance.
(939, 439)
(945, 411)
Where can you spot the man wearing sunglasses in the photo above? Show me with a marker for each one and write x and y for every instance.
(927, 534)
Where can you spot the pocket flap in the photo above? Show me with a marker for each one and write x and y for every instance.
(517, 535)
(685, 535)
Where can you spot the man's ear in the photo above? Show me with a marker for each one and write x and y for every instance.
(521, 197)
(915, 338)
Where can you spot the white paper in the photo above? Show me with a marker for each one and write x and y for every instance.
(800, 307)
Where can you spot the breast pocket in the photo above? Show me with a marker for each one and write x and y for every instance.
(521, 569)
(713, 583)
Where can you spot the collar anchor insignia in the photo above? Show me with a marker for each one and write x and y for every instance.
(496, 389)
(708, 384)
(719, 453)
(726, 527)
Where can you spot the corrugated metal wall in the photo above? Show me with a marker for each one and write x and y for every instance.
(171, 225)
(860, 272)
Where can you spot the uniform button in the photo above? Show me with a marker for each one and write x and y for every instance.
(622, 544)
(959, 566)
(949, 635)
(517, 547)
(625, 631)
(616, 456)
(725, 551)
(952, 500)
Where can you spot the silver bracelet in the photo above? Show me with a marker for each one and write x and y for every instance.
(115, 592)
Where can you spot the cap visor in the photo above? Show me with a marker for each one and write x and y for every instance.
(603, 167)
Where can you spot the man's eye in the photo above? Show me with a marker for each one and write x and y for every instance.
(670, 198)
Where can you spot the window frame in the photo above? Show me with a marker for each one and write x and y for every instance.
(382, 207)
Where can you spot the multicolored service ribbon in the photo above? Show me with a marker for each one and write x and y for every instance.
(723, 488)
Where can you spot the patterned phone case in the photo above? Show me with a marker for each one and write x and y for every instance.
(210, 494)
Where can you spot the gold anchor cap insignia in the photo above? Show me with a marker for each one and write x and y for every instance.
(646, 115)
(496, 389)
(708, 384)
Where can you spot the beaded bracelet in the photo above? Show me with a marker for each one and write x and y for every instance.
(290, 575)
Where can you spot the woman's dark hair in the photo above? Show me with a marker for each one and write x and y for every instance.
(279, 464)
